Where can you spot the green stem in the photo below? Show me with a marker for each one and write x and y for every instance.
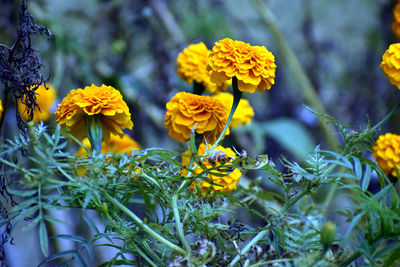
(178, 223)
(308, 91)
(198, 88)
(257, 238)
(144, 226)
(390, 114)
(94, 132)
(237, 94)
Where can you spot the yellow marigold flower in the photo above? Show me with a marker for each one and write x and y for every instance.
(103, 101)
(45, 98)
(226, 180)
(386, 153)
(396, 20)
(185, 110)
(391, 64)
(115, 144)
(253, 66)
(1, 108)
(244, 112)
(192, 67)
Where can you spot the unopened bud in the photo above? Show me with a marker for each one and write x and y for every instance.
(328, 233)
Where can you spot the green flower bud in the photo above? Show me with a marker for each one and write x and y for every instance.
(328, 233)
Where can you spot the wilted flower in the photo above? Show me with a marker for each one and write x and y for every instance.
(104, 102)
(192, 67)
(253, 66)
(396, 20)
(386, 153)
(244, 112)
(45, 99)
(115, 144)
(391, 64)
(226, 180)
(185, 110)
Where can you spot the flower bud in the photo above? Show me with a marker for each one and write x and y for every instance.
(328, 233)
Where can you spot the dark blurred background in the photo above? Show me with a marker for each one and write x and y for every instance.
(133, 45)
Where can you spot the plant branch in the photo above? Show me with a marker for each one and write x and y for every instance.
(144, 226)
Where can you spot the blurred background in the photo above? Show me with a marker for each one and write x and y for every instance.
(133, 45)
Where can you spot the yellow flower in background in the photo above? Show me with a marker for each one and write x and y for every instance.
(115, 144)
(386, 153)
(1, 108)
(45, 99)
(192, 67)
(244, 112)
(185, 110)
(226, 180)
(103, 101)
(390, 64)
(253, 66)
(396, 20)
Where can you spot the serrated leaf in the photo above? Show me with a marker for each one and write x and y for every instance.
(32, 224)
(22, 193)
(53, 219)
(23, 205)
(43, 238)
(357, 168)
(353, 224)
(57, 256)
(366, 179)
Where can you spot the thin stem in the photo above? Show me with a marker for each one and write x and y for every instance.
(144, 226)
(390, 114)
(198, 88)
(237, 94)
(178, 223)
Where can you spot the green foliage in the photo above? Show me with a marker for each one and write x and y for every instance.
(117, 185)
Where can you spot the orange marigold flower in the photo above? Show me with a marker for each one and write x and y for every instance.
(115, 144)
(386, 153)
(192, 66)
(103, 101)
(185, 110)
(45, 99)
(253, 66)
(396, 20)
(391, 64)
(244, 113)
(225, 180)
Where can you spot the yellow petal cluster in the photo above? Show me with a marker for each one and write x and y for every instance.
(103, 101)
(390, 64)
(244, 113)
(396, 20)
(192, 67)
(226, 180)
(185, 110)
(45, 99)
(115, 144)
(253, 66)
(386, 153)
